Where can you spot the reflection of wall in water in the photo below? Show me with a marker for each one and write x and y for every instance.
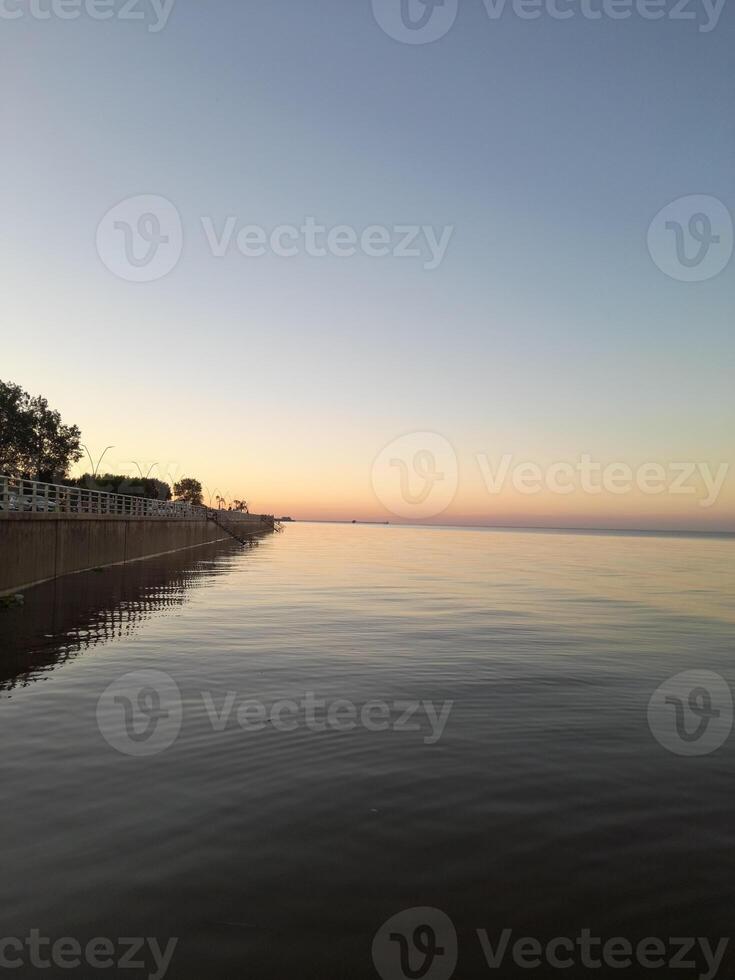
(59, 619)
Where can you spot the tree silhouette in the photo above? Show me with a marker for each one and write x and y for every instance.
(34, 442)
(189, 490)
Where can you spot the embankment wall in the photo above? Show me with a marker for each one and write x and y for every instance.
(37, 547)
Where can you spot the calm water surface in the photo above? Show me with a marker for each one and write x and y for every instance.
(544, 806)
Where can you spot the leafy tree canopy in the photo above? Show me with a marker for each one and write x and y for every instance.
(132, 486)
(188, 489)
(34, 443)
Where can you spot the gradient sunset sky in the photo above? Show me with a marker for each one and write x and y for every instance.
(546, 332)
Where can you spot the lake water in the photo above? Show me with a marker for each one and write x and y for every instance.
(351, 721)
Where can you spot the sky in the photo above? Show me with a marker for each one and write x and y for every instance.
(527, 177)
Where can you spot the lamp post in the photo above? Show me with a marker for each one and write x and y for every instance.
(173, 482)
(150, 469)
(95, 467)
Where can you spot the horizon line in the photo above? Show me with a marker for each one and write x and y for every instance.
(520, 527)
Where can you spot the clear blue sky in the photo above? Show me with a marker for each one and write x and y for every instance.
(547, 330)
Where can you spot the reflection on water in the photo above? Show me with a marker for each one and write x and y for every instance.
(547, 806)
(62, 618)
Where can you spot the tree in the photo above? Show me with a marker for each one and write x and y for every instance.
(131, 486)
(241, 505)
(34, 443)
(189, 490)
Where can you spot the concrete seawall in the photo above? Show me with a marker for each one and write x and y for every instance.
(35, 548)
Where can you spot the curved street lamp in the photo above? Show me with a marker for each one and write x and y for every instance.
(150, 469)
(95, 468)
(173, 482)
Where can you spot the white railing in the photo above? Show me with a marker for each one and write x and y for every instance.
(32, 496)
